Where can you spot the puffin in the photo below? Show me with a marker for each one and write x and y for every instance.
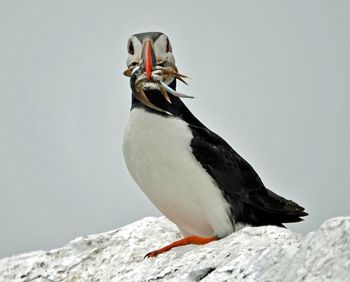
(191, 174)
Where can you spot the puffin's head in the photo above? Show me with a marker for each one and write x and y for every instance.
(150, 49)
(151, 66)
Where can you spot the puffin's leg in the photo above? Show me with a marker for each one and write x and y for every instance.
(182, 242)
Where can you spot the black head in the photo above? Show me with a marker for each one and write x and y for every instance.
(146, 52)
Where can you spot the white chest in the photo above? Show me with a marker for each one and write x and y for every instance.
(158, 155)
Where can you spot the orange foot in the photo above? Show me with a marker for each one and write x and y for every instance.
(182, 242)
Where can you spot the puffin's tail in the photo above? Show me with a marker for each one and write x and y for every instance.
(279, 210)
(271, 209)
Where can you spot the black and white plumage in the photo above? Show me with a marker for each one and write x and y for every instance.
(190, 173)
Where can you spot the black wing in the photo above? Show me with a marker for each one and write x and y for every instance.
(251, 202)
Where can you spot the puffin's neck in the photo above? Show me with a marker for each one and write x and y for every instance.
(177, 108)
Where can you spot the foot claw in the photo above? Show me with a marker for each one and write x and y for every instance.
(151, 254)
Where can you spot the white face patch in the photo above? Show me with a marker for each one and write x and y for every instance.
(137, 47)
(160, 48)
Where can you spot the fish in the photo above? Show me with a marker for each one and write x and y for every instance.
(138, 82)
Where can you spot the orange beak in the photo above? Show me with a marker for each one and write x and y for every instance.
(148, 57)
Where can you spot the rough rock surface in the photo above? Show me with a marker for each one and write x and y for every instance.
(252, 254)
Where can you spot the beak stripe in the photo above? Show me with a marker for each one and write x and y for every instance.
(148, 59)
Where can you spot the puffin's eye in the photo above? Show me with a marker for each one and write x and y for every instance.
(168, 46)
(131, 49)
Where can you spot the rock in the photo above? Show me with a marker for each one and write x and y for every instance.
(252, 254)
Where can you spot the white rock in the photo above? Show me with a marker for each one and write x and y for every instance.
(252, 254)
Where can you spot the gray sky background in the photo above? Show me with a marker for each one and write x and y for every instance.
(271, 77)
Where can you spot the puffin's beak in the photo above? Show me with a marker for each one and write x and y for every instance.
(148, 57)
